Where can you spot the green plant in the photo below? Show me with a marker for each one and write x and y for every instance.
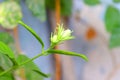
(23, 62)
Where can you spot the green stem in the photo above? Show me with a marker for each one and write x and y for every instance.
(31, 59)
(27, 61)
(7, 71)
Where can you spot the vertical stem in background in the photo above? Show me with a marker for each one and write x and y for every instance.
(16, 37)
(56, 56)
(17, 45)
(57, 14)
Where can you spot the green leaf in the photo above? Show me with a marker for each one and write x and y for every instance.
(21, 58)
(31, 69)
(112, 18)
(68, 53)
(6, 38)
(4, 49)
(37, 7)
(10, 13)
(112, 22)
(92, 2)
(32, 75)
(5, 62)
(32, 32)
(116, 1)
(115, 38)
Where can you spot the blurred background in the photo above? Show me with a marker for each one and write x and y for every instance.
(95, 25)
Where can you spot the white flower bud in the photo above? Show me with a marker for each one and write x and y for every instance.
(61, 35)
(54, 39)
(66, 33)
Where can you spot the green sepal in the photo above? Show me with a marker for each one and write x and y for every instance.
(67, 53)
(32, 32)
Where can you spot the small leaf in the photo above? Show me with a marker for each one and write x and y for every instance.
(92, 2)
(68, 53)
(4, 49)
(32, 32)
(112, 18)
(116, 1)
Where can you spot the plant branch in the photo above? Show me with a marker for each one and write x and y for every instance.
(7, 71)
(41, 54)
(27, 61)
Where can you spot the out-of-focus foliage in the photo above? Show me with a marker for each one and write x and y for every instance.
(10, 13)
(112, 18)
(66, 6)
(115, 38)
(112, 22)
(116, 1)
(6, 38)
(91, 2)
(38, 8)
(49, 5)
